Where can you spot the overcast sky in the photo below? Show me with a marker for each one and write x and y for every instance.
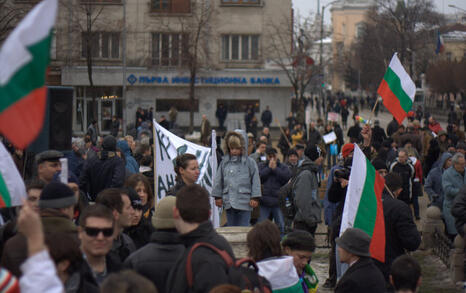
(306, 6)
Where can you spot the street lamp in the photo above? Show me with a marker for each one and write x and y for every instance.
(456, 7)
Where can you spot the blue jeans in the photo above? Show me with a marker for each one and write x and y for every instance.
(238, 217)
(276, 214)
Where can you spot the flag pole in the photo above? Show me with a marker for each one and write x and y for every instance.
(389, 191)
(283, 132)
(373, 111)
(154, 167)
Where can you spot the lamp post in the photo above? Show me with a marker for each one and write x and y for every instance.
(456, 7)
(320, 56)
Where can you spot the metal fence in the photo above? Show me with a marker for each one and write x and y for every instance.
(442, 247)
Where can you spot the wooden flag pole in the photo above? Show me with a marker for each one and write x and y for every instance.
(389, 191)
(284, 134)
(369, 121)
(154, 167)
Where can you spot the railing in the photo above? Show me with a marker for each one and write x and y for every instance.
(442, 247)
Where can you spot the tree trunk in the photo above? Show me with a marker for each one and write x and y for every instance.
(192, 93)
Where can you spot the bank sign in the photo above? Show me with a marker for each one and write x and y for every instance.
(184, 80)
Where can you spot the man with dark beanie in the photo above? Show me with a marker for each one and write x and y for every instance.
(106, 170)
(401, 233)
(56, 208)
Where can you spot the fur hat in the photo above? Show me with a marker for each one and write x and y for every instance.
(163, 215)
(56, 195)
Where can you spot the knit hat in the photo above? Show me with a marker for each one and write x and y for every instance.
(355, 241)
(109, 143)
(8, 282)
(56, 195)
(292, 152)
(163, 215)
(270, 150)
(379, 164)
(347, 149)
(313, 152)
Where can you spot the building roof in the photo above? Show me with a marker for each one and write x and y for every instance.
(352, 4)
(454, 36)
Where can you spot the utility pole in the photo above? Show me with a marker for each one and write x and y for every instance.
(123, 47)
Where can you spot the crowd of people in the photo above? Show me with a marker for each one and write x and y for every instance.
(103, 231)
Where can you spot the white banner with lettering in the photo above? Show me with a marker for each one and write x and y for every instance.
(167, 147)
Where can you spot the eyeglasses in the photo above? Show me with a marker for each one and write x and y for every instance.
(93, 232)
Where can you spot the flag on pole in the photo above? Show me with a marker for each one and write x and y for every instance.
(440, 45)
(397, 90)
(24, 58)
(363, 204)
(12, 189)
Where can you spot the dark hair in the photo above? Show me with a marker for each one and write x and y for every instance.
(182, 161)
(145, 160)
(35, 184)
(192, 201)
(127, 281)
(226, 288)
(142, 148)
(264, 241)
(393, 181)
(97, 211)
(405, 273)
(134, 179)
(299, 240)
(111, 198)
(65, 246)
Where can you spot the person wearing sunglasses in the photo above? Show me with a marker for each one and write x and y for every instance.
(96, 232)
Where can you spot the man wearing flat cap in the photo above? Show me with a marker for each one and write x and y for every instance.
(48, 164)
(362, 274)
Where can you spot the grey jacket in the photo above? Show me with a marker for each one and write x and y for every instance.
(305, 195)
(237, 182)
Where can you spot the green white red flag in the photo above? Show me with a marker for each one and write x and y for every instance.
(363, 204)
(397, 90)
(24, 58)
(12, 189)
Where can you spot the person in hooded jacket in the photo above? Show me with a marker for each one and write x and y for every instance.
(433, 186)
(273, 175)
(131, 165)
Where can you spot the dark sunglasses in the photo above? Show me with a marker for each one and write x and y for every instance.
(93, 232)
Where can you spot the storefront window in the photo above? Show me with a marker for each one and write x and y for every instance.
(239, 106)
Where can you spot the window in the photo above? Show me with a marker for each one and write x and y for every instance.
(170, 49)
(182, 105)
(240, 47)
(240, 2)
(360, 27)
(105, 45)
(239, 106)
(171, 6)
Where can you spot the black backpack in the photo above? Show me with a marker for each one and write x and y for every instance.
(242, 273)
(286, 197)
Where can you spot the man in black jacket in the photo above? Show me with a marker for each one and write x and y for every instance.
(103, 171)
(402, 166)
(191, 215)
(392, 127)
(156, 259)
(401, 233)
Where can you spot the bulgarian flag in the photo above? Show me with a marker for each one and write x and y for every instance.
(363, 204)
(12, 189)
(397, 90)
(24, 58)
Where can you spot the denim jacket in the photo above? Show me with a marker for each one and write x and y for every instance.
(237, 182)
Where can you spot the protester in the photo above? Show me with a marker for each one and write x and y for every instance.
(132, 166)
(127, 282)
(259, 155)
(142, 186)
(301, 245)
(221, 114)
(140, 228)
(362, 275)
(266, 117)
(452, 180)
(284, 143)
(458, 211)
(120, 203)
(264, 247)
(405, 169)
(273, 175)
(187, 172)
(292, 161)
(191, 216)
(405, 275)
(48, 164)
(106, 170)
(433, 186)
(237, 184)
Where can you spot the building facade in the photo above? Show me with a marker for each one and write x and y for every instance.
(143, 53)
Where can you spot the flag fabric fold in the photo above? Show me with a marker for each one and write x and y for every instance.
(12, 189)
(397, 90)
(440, 45)
(363, 204)
(25, 56)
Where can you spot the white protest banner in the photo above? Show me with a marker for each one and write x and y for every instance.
(328, 138)
(167, 147)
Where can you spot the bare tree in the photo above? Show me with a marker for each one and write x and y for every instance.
(291, 46)
(10, 14)
(447, 77)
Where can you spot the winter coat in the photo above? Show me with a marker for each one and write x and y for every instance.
(131, 165)
(354, 132)
(433, 186)
(406, 171)
(452, 181)
(209, 268)
(392, 127)
(101, 172)
(266, 117)
(82, 281)
(362, 276)
(305, 188)
(141, 233)
(272, 180)
(122, 247)
(458, 211)
(156, 259)
(178, 185)
(314, 137)
(401, 232)
(378, 134)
